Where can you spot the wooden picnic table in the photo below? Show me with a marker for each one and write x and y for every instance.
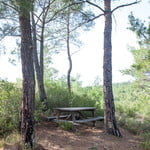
(73, 112)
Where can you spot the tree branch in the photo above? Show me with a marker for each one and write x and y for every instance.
(87, 22)
(95, 5)
(7, 19)
(125, 5)
(38, 17)
(144, 36)
(9, 6)
(10, 32)
(65, 7)
(43, 9)
(95, 17)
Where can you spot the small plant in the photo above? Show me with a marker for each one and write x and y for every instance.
(10, 140)
(66, 125)
(145, 145)
(93, 148)
(146, 140)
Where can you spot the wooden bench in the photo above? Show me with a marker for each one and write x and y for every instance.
(54, 117)
(59, 120)
(94, 119)
(77, 122)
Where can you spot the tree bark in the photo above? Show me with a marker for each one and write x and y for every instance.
(109, 109)
(68, 53)
(27, 109)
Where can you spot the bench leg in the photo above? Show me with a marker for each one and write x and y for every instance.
(73, 119)
(58, 114)
(94, 122)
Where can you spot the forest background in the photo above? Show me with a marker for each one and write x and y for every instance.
(91, 50)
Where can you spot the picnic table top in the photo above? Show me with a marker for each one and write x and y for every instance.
(72, 109)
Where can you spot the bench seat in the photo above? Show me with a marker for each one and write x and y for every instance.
(77, 122)
(59, 120)
(90, 119)
(54, 117)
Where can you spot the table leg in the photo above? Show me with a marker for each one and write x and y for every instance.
(94, 122)
(81, 116)
(57, 115)
(73, 119)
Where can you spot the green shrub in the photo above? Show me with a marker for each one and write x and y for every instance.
(10, 98)
(133, 109)
(146, 140)
(68, 126)
(58, 96)
(39, 106)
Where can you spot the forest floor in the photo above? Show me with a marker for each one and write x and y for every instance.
(50, 136)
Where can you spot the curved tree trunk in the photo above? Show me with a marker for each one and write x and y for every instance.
(109, 110)
(39, 67)
(27, 109)
(41, 77)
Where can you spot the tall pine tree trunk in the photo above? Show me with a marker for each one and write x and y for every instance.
(27, 109)
(109, 110)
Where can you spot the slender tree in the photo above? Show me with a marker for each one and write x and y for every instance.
(109, 107)
(39, 65)
(109, 110)
(39, 59)
(72, 17)
(45, 16)
(68, 52)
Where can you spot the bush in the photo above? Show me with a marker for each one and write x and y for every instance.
(9, 106)
(58, 96)
(133, 109)
(146, 140)
(68, 126)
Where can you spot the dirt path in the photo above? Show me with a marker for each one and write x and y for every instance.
(52, 137)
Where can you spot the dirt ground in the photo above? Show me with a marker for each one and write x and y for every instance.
(52, 137)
